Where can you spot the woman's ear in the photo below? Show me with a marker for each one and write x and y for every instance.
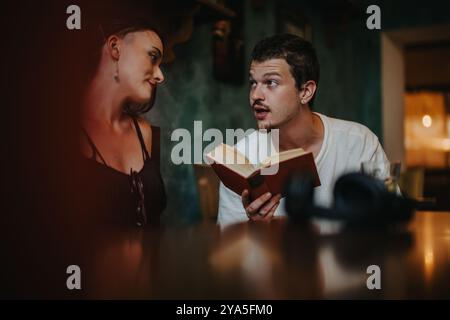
(308, 90)
(113, 46)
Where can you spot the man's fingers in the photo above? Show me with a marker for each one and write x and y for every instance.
(271, 212)
(269, 205)
(253, 207)
(267, 217)
(245, 198)
(268, 210)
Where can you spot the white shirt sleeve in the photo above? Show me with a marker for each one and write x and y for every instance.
(231, 209)
(379, 158)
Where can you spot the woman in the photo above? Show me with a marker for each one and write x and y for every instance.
(124, 181)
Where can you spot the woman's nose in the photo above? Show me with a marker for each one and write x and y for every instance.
(158, 76)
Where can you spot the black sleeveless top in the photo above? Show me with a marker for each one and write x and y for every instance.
(116, 198)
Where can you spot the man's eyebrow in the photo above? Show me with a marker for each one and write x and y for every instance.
(268, 74)
(271, 74)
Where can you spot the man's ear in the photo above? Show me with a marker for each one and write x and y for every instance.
(113, 44)
(308, 91)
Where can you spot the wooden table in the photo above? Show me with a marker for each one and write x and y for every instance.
(274, 260)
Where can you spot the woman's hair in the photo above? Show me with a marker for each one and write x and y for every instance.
(119, 18)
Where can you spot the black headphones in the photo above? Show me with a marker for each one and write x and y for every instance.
(359, 199)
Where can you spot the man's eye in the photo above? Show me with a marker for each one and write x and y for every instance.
(271, 83)
(252, 83)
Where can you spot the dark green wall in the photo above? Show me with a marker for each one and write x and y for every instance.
(349, 87)
(348, 52)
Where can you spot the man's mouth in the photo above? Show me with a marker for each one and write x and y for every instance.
(260, 112)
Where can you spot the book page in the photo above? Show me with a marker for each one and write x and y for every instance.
(233, 159)
(282, 156)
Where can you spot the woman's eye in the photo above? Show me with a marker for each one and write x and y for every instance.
(153, 57)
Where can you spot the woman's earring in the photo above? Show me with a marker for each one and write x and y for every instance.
(116, 74)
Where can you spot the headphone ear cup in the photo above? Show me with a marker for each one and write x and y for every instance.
(359, 198)
(299, 192)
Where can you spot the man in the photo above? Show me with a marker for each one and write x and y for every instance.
(284, 75)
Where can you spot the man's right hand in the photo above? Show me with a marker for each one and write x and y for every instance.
(261, 209)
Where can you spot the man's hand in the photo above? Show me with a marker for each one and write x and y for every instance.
(263, 208)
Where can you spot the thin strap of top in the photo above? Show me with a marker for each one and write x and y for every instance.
(94, 148)
(145, 154)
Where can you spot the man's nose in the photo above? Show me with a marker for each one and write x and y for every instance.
(256, 93)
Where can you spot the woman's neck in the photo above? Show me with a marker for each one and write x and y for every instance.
(103, 102)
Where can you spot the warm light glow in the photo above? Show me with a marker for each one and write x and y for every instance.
(428, 247)
(445, 144)
(429, 258)
(426, 121)
(448, 126)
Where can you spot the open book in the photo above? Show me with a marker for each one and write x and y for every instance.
(237, 173)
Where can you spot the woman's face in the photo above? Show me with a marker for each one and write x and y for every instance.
(139, 65)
